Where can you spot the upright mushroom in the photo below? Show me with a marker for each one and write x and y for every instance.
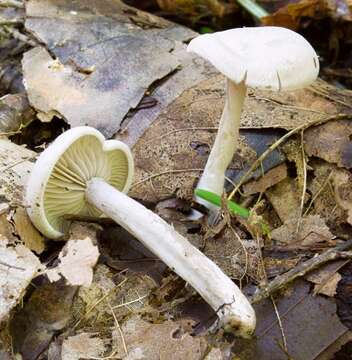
(270, 58)
(82, 173)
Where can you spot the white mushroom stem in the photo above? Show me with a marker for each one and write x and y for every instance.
(219, 291)
(225, 144)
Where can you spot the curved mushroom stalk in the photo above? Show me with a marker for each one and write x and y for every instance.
(225, 144)
(233, 309)
(82, 173)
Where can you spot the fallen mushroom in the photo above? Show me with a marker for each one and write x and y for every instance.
(270, 58)
(82, 173)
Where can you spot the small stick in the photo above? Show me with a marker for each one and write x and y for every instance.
(12, 3)
(302, 269)
(118, 328)
(304, 187)
(10, 22)
(11, 266)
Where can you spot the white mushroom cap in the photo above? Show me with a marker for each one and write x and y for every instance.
(57, 184)
(269, 57)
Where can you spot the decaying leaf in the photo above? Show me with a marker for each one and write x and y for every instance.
(285, 198)
(269, 179)
(331, 142)
(342, 180)
(14, 113)
(158, 341)
(91, 42)
(303, 316)
(237, 259)
(323, 201)
(16, 163)
(290, 15)
(325, 283)
(312, 232)
(82, 346)
(27, 232)
(18, 266)
(77, 260)
(196, 8)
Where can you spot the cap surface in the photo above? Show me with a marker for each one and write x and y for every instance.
(57, 184)
(264, 57)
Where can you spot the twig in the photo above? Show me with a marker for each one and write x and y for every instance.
(304, 187)
(327, 96)
(9, 133)
(253, 8)
(118, 328)
(315, 196)
(131, 302)
(11, 266)
(302, 269)
(279, 142)
(164, 173)
(12, 3)
(10, 22)
(284, 342)
(10, 30)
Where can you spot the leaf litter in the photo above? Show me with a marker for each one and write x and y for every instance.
(134, 306)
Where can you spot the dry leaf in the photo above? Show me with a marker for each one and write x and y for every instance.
(269, 179)
(90, 42)
(16, 163)
(158, 341)
(77, 260)
(285, 198)
(290, 15)
(312, 232)
(82, 346)
(342, 180)
(27, 232)
(18, 266)
(326, 283)
(331, 142)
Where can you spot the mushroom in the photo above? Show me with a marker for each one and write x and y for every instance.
(270, 58)
(82, 173)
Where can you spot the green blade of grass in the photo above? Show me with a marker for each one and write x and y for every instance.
(216, 200)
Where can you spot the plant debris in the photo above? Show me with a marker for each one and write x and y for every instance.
(126, 72)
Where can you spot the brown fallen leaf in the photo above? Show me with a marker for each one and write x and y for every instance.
(90, 42)
(331, 142)
(285, 197)
(325, 283)
(269, 179)
(27, 232)
(303, 317)
(16, 163)
(342, 180)
(158, 341)
(77, 260)
(82, 346)
(290, 15)
(14, 112)
(312, 232)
